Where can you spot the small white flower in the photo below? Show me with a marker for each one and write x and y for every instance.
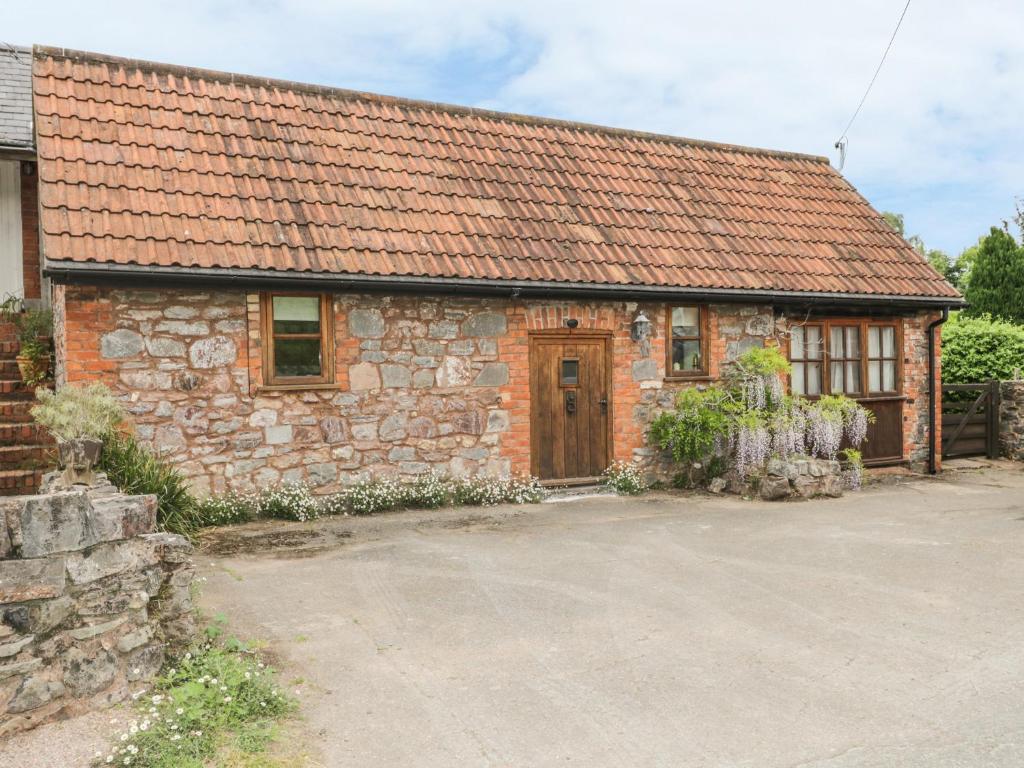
(136, 671)
(227, 699)
(179, 711)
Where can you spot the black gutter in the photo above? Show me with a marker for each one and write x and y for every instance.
(932, 401)
(89, 273)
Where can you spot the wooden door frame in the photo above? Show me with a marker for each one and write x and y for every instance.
(564, 336)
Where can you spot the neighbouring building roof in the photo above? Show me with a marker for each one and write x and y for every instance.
(156, 166)
(15, 97)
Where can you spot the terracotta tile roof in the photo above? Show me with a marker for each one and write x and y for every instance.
(153, 165)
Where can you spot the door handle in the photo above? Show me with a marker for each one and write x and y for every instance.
(570, 401)
(603, 402)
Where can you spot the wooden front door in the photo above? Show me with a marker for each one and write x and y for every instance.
(569, 406)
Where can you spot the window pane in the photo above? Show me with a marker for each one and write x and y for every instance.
(686, 321)
(814, 378)
(570, 372)
(837, 377)
(853, 342)
(874, 344)
(889, 342)
(297, 357)
(686, 356)
(835, 345)
(796, 345)
(798, 379)
(296, 314)
(874, 374)
(852, 378)
(814, 346)
(889, 376)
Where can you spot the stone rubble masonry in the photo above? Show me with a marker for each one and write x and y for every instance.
(91, 598)
(421, 383)
(1011, 419)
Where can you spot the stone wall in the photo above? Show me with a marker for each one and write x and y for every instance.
(1011, 419)
(90, 598)
(421, 382)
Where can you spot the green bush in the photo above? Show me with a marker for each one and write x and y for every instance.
(136, 470)
(980, 348)
(78, 412)
(625, 478)
(996, 284)
(216, 694)
(226, 509)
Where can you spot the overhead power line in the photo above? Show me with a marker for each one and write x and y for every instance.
(843, 141)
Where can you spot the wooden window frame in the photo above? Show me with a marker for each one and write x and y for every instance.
(826, 325)
(702, 324)
(326, 340)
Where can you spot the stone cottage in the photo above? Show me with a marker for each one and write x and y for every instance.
(293, 282)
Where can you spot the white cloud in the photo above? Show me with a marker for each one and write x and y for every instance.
(938, 137)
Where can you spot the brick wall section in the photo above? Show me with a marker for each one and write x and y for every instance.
(30, 230)
(421, 383)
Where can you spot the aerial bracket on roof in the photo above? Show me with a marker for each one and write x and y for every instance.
(841, 146)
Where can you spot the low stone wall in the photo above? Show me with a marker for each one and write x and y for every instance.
(1011, 420)
(799, 477)
(90, 598)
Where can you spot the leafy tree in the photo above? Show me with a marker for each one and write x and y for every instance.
(996, 286)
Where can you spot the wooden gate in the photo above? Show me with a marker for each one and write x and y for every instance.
(970, 420)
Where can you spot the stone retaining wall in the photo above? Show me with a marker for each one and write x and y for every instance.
(1011, 419)
(90, 599)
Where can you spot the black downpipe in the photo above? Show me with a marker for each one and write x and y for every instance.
(931, 387)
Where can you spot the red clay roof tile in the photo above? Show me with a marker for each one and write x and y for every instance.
(153, 165)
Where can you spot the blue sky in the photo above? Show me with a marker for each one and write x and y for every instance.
(939, 138)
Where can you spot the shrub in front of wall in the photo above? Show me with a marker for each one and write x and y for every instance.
(289, 501)
(744, 422)
(482, 491)
(625, 478)
(136, 470)
(227, 509)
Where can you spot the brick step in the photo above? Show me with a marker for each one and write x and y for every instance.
(15, 389)
(16, 411)
(25, 456)
(23, 433)
(9, 349)
(18, 482)
(9, 368)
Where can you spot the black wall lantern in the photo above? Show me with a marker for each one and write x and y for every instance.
(640, 332)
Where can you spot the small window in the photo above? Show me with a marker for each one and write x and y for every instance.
(570, 372)
(298, 339)
(806, 353)
(686, 341)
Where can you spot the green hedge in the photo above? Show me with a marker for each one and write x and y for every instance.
(980, 348)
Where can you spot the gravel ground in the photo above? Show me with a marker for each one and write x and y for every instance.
(67, 744)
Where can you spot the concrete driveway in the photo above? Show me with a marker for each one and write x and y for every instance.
(882, 629)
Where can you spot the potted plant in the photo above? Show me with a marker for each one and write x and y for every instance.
(79, 418)
(34, 328)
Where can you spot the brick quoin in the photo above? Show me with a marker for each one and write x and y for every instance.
(227, 430)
